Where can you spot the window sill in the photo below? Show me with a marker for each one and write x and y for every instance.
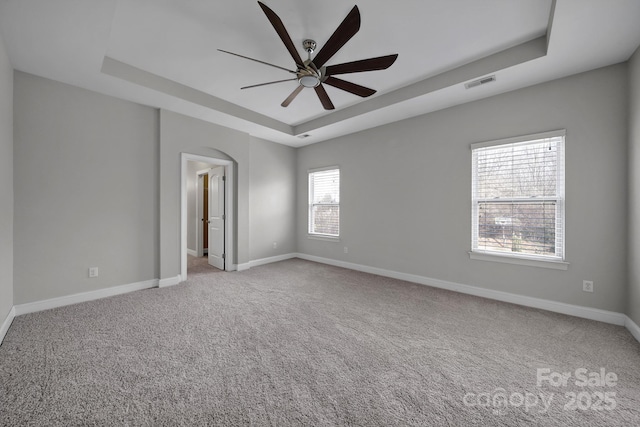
(543, 263)
(321, 237)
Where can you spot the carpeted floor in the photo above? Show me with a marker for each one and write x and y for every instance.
(199, 265)
(300, 343)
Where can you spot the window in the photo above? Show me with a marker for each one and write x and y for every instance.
(324, 202)
(518, 197)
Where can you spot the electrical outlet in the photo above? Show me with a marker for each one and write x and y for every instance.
(275, 245)
(346, 250)
(587, 286)
(93, 271)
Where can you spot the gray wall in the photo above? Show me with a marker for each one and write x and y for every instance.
(86, 190)
(272, 199)
(261, 167)
(182, 134)
(96, 183)
(6, 183)
(406, 190)
(633, 301)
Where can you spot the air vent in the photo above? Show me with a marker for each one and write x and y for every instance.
(306, 135)
(482, 81)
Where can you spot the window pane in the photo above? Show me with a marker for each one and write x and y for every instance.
(518, 197)
(518, 170)
(324, 202)
(325, 219)
(325, 186)
(527, 228)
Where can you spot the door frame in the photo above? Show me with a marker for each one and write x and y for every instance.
(199, 211)
(229, 210)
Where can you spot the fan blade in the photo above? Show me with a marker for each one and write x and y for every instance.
(268, 83)
(291, 97)
(371, 64)
(324, 98)
(284, 35)
(257, 60)
(349, 87)
(347, 29)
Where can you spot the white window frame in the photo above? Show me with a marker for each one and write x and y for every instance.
(311, 234)
(557, 261)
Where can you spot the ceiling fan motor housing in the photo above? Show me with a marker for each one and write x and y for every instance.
(309, 76)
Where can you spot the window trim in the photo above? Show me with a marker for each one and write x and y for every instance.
(519, 260)
(554, 262)
(322, 236)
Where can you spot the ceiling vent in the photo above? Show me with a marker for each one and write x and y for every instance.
(479, 82)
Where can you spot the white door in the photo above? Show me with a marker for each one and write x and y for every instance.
(216, 217)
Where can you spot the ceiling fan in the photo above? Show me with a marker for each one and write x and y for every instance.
(312, 73)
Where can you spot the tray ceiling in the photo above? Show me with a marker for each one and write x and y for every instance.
(164, 53)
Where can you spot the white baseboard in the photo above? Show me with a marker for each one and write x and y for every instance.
(632, 327)
(263, 261)
(7, 322)
(269, 260)
(192, 252)
(170, 281)
(558, 307)
(243, 266)
(32, 307)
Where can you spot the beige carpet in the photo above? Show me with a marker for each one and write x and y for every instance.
(300, 343)
(199, 265)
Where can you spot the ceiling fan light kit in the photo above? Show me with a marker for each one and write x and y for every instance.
(312, 73)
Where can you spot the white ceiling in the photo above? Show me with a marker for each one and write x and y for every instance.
(163, 53)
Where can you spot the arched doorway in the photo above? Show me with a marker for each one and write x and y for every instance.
(228, 166)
